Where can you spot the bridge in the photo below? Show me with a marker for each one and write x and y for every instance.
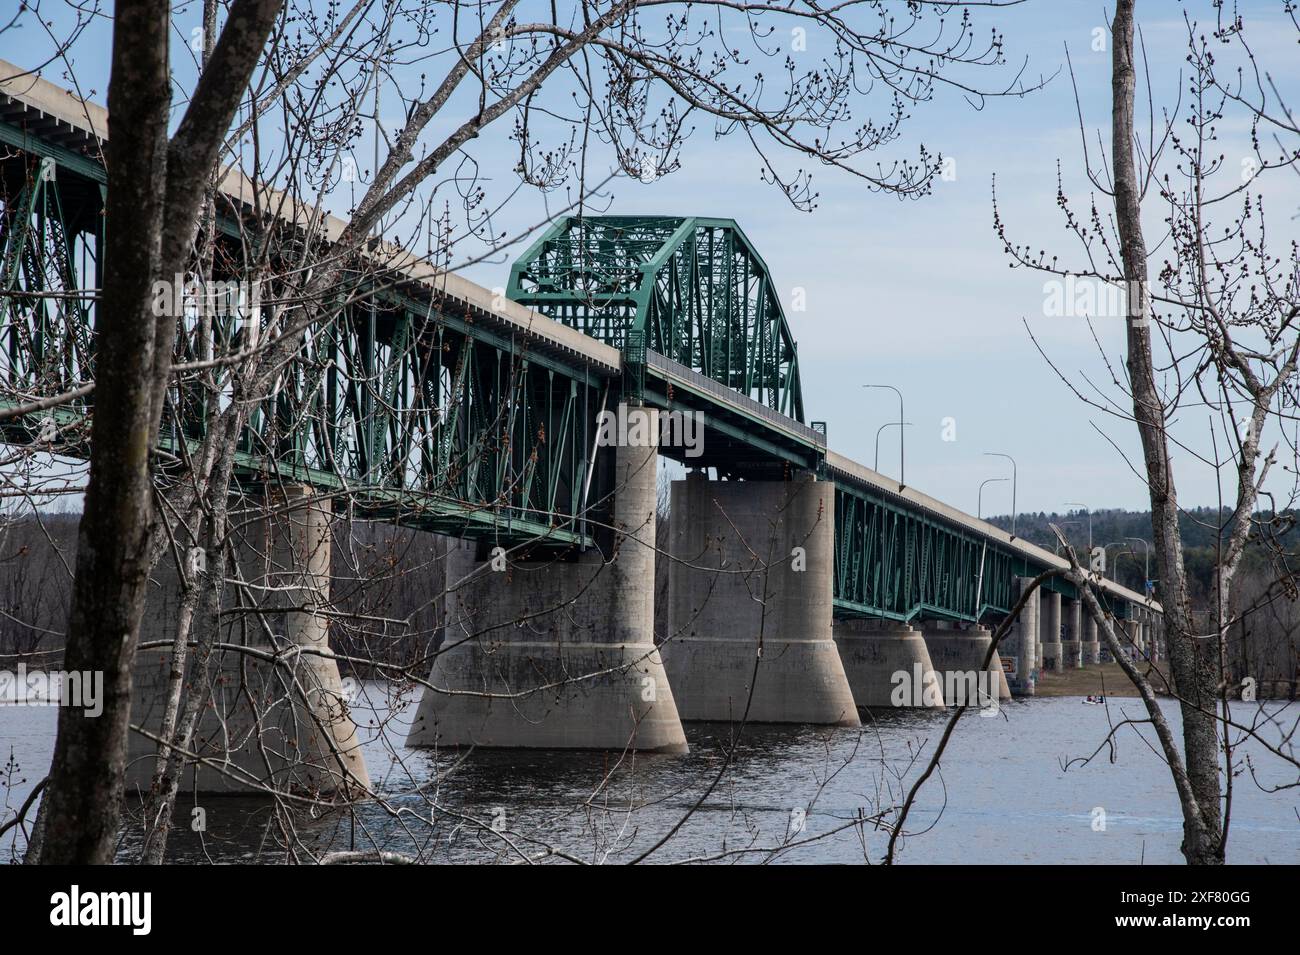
(800, 583)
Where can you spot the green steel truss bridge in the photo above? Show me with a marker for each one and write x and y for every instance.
(432, 402)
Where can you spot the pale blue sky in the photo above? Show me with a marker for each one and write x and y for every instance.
(918, 294)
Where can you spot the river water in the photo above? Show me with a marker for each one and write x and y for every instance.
(1006, 793)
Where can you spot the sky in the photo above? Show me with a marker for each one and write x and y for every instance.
(919, 294)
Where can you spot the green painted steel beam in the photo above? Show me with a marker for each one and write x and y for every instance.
(24, 141)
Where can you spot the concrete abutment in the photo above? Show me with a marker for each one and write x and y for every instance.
(958, 651)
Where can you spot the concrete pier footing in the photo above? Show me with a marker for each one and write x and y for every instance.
(887, 665)
(956, 653)
(1019, 647)
(1072, 639)
(286, 725)
(750, 603)
(559, 654)
(1091, 649)
(1050, 632)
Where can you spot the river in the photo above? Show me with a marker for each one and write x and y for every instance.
(1005, 794)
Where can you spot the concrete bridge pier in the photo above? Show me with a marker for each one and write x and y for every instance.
(750, 628)
(558, 653)
(1091, 650)
(1050, 633)
(1103, 649)
(957, 651)
(1143, 623)
(887, 665)
(1019, 647)
(284, 726)
(1128, 634)
(1156, 636)
(1072, 640)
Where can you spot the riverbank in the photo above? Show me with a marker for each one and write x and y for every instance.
(1107, 679)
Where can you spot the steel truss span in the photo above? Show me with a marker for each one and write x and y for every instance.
(429, 401)
(423, 407)
(688, 288)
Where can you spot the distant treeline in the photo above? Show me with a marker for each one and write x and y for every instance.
(1200, 529)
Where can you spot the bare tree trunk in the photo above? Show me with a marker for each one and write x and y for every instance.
(155, 187)
(81, 808)
(183, 712)
(161, 797)
(1193, 661)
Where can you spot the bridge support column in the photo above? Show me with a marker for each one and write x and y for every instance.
(1103, 650)
(887, 665)
(750, 603)
(1072, 642)
(1091, 650)
(560, 654)
(1050, 632)
(1131, 640)
(286, 725)
(1019, 647)
(957, 653)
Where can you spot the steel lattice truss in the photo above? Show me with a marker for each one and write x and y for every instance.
(417, 407)
(49, 240)
(897, 564)
(691, 289)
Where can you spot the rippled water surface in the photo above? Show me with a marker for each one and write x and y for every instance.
(1004, 795)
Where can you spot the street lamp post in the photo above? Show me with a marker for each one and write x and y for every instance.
(1146, 564)
(902, 449)
(979, 507)
(887, 424)
(1116, 544)
(999, 454)
(1089, 510)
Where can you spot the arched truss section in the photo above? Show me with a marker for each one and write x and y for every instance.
(694, 289)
